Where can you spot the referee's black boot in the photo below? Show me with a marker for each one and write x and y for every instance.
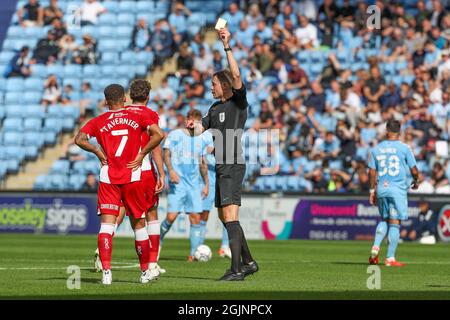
(230, 276)
(248, 269)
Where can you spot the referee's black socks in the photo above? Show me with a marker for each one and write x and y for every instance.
(238, 246)
(245, 251)
(234, 236)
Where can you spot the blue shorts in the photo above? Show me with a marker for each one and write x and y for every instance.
(183, 198)
(393, 208)
(208, 202)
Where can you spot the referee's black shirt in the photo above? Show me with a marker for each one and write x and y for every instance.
(226, 121)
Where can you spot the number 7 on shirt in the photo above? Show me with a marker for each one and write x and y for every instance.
(123, 142)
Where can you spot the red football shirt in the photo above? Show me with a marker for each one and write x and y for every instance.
(145, 138)
(119, 134)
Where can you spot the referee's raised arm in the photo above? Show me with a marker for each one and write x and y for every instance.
(225, 36)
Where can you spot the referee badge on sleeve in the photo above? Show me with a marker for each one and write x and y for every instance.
(222, 116)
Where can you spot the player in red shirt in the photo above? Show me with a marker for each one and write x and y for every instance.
(153, 182)
(118, 132)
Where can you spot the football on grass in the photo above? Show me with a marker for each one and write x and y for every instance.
(203, 253)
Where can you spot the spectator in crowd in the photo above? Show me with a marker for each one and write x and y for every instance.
(423, 227)
(254, 15)
(185, 63)
(31, 14)
(165, 93)
(90, 10)
(47, 49)
(88, 100)
(19, 66)
(306, 34)
(178, 19)
(91, 183)
(425, 185)
(374, 89)
(141, 35)
(68, 48)
(161, 43)
(319, 183)
(217, 61)
(59, 29)
(297, 77)
(233, 17)
(67, 95)
(439, 179)
(52, 11)
(203, 62)
(317, 98)
(52, 92)
(86, 52)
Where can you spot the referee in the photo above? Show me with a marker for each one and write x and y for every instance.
(226, 119)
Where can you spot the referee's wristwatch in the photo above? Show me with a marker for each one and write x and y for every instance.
(227, 49)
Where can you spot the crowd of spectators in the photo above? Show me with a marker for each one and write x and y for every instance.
(330, 118)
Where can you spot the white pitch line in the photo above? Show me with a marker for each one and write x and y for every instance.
(127, 266)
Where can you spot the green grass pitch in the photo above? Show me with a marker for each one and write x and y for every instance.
(35, 267)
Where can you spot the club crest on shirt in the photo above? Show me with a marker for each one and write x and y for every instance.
(222, 116)
(385, 183)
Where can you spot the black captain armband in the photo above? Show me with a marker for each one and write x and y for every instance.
(227, 49)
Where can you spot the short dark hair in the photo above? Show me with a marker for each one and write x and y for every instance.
(224, 76)
(140, 89)
(195, 114)
(393, 126)
(114, 93)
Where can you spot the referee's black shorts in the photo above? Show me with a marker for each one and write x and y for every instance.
(229, 179)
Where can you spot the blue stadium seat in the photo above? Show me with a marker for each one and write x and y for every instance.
(91, 30)
(32, 138)
(54, 111)
(6, 56)
(32, 124)
(15, 153)
(40, 71)
(316, 56)
(33, 33)
(15, 85)
(68, 124)
(109, 71)
(50, 138)
(91, 70)
(106, 45)
(53, 125)
(34, 111)
(78, 167)
(125, 70)
(112, 6)
(76, 181)
(127, 19)
(107, 19)
(127, 6)
(57, 181)
(41, 182)
(31, 152)
(32, 97)
(34, 84)
(12, 138)
(107, 31)
(13, 124)
(14, 111)
(92, 166)
(145, 6)
(13, 165)
(55, 69)
(109, 58)
(140, 70)
(15, 32)
(60, 167)
(73, 71)
(123, 32)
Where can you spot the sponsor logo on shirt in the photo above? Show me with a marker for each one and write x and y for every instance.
(109, 206)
